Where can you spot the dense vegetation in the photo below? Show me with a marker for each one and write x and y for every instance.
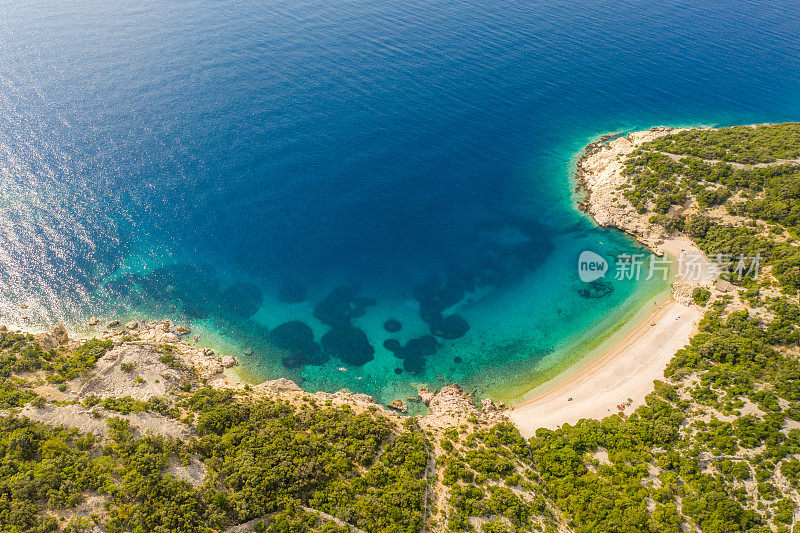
(765, 143)
(20, 354)
(262, 460)
(738, 170)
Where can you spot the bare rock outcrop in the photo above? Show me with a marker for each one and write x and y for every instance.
(452, 400)
(426, 396)
(145, 374)
(488, 406)
(60, 334)
(453, 406)
(46, 341)
(95, 420)
(398, 405)
(279, 385)
(348, 397)
(600, 174)
(682, 291)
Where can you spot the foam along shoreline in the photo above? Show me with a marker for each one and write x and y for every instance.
(620, 371)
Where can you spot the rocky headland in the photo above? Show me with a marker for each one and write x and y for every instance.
(155, 359)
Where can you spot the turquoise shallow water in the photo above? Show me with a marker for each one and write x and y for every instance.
(196, 160)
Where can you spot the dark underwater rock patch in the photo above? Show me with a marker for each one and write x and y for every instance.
(175, 286)
(195, 311)
(292, 292)
(349, 344)
(596, 289)
(424, 346)
(191, 288)
(434, 296)
(415, 352)
(392, 325)
(450, 327)
(241, 300)
(414, 364)
(498, 265)
(493, 262)
(296, 341)
(393, 345)
(120, 286)
(180, 282)
(341, 306)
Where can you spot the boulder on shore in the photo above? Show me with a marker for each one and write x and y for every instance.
(398, 405)
(59, 333)
(426, 396)
(170, 338)
(229, 361)
(488, 406)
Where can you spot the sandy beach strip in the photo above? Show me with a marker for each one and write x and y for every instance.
(621, 371)
(625, 370)
(620, 368)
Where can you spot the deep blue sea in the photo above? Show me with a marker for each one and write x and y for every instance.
(287, 176)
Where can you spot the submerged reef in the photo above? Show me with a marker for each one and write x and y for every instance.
(414, 352)
(503, 252)
(596, 289)
(241, 300)
(392, 325)
(349, 344)
(292, 292)
(450, 327)
(341, 306)
(295, 341)
(192, 290)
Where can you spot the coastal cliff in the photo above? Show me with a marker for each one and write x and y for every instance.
(600, 177)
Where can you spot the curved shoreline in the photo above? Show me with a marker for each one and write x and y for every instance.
(625, 371)
(620, 371)
(604, 374)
